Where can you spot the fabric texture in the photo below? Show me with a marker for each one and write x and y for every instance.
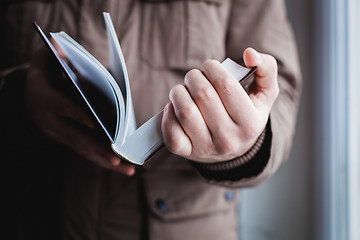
(51, 193)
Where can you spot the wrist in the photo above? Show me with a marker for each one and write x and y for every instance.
(235, 162)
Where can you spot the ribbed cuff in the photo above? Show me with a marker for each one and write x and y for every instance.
(236, 162)
(249, 165)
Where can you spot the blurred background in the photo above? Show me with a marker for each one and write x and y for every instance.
(316, 194)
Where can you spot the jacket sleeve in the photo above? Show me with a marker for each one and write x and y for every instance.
(263, 25)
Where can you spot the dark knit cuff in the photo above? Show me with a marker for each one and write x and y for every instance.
(248, 165)
(236, 162)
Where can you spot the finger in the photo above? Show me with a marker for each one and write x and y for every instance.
(67, 108)
(189, 116)
(107, 161)
(266, 74)
(85, 145)
(207, 101)
(38, 88)
(124, 168)
(234, 98)
(58, 49)
(174, 136)
(105, 158)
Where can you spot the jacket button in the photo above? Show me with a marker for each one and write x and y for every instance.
(229, 195)
(160, 205)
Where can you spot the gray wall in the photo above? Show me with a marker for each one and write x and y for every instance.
(282, 208)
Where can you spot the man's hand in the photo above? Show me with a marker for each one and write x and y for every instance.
(63, 120)
(211, 118)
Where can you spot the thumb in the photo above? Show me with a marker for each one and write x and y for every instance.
(266, 88)
(266, 74)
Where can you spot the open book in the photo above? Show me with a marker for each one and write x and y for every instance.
(108, 96)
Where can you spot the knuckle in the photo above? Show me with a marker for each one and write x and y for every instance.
(173, 144)
(226, 84)
(204, 94)
(185, 113)
(178, 146)
(208, 151)
(191, 75)
(171, 140)
(86, 152)
(250, 131)
(176, 90)
(227, 145)
(209, 63)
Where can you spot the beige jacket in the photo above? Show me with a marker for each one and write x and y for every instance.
(161, 40)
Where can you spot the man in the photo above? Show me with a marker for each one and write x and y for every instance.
(220, 136)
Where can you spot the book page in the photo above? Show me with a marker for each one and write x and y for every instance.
(96, 84)
(119, 72)
(145, 141)
(78, 83)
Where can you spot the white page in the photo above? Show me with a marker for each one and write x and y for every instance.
(119, 72)
(238, 71)
(92, 70)
(143, 142)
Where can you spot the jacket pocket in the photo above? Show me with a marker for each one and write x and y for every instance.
(182, 34)
(183, 206)
(181, 194)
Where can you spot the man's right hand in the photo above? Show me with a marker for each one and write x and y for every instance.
(59, 117)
